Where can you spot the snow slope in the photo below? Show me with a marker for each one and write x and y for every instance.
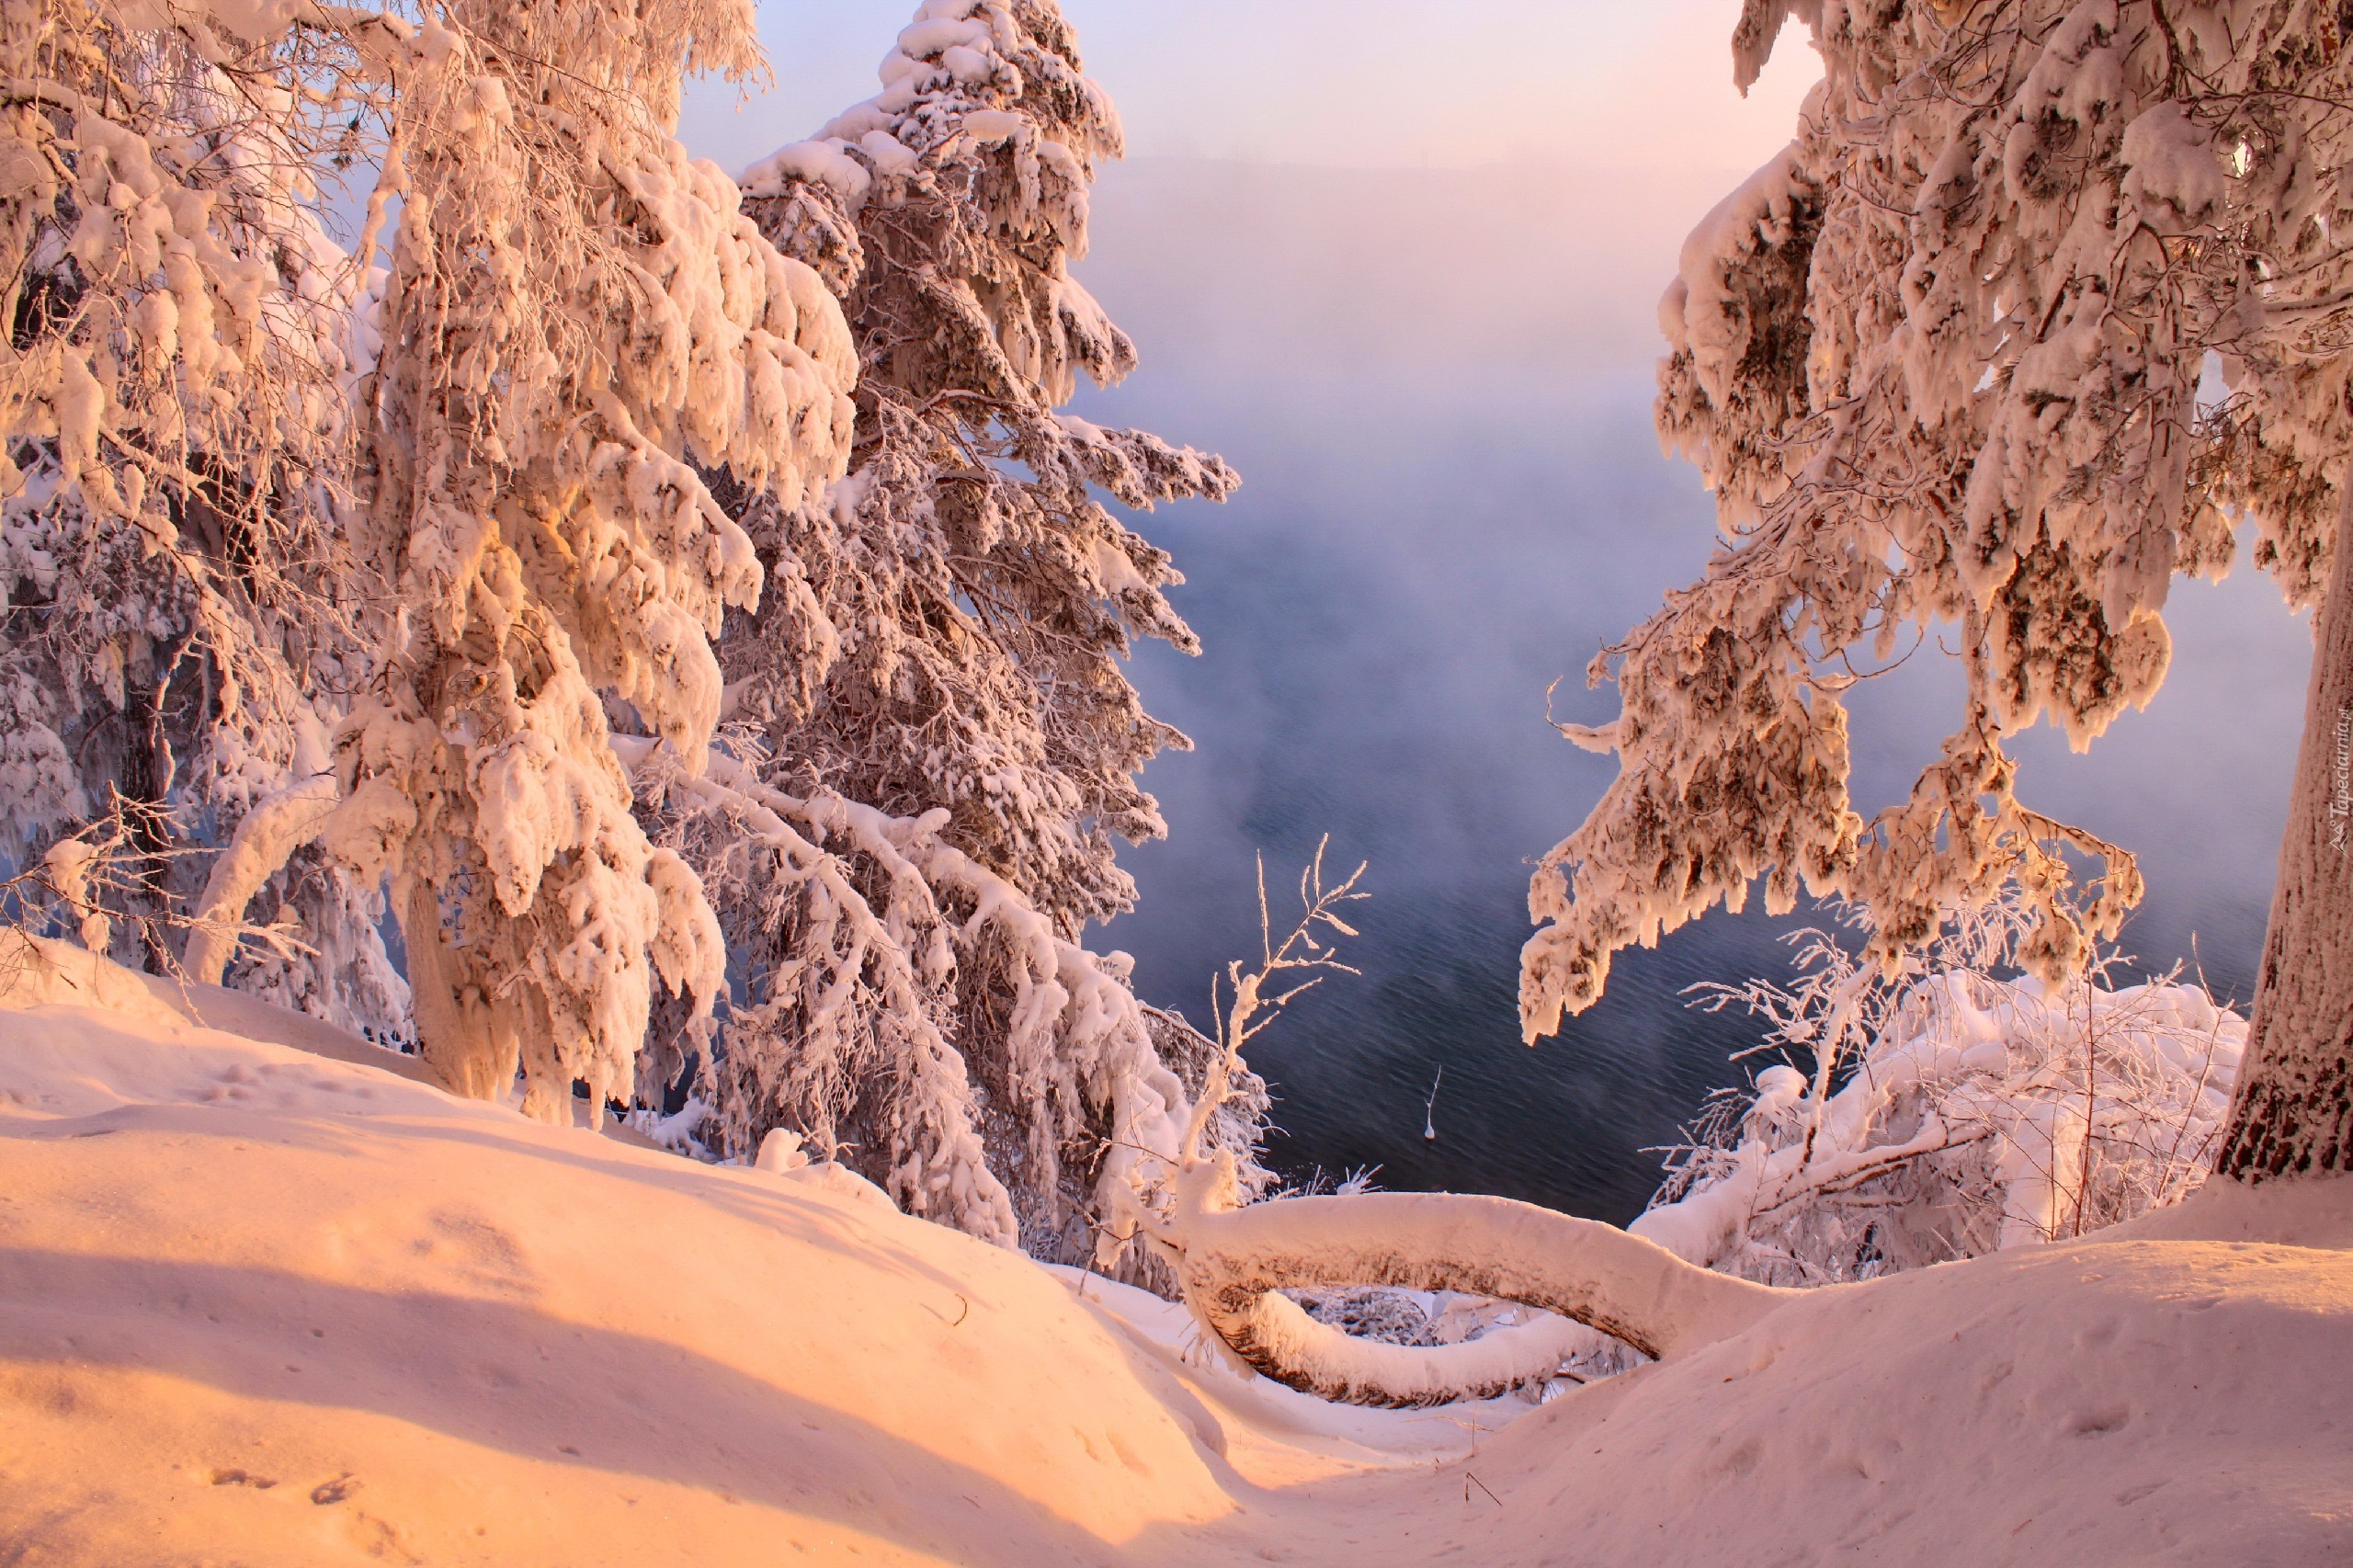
(259, 1306)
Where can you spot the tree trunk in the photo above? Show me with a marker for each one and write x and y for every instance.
(465, 1044)
(2293, 1110)
(146, 785)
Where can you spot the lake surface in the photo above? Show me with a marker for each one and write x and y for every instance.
(1437, 387)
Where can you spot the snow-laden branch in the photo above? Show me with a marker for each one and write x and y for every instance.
(960, 1188)
(1939, 359)
(1065, 1002)
(866, 960)
(272, 830)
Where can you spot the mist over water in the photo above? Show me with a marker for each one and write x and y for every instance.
(1436, 387)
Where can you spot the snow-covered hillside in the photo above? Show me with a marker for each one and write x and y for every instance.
(262, 1306)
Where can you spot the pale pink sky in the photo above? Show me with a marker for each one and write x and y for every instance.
(1618, 83)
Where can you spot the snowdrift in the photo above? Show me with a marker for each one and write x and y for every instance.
(260, 1305)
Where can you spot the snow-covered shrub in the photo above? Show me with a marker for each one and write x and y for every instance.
(1942, 1112)
(1239, 1107)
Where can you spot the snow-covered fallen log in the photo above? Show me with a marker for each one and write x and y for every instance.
(1234, 1263)
(1231, 1259)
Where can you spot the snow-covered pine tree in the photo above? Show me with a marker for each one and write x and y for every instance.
(574, 311)
(1940, 361)
(937, 746)
(175, 442)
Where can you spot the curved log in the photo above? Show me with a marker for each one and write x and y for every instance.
(1230, 1264)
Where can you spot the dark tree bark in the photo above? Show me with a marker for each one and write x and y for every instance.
(147, 770)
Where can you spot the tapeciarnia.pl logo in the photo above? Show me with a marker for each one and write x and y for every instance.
(2340, 794)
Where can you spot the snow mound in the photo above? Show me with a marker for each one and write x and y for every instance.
(261, 1305)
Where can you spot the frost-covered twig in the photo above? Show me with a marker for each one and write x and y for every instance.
(1299, 954)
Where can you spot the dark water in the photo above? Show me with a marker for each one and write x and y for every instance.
(1436, 389)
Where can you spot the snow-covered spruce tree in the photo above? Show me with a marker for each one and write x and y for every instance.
(174, 443)
(935, 746)
(1940, 362)
(996, 597)
(574, 311)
